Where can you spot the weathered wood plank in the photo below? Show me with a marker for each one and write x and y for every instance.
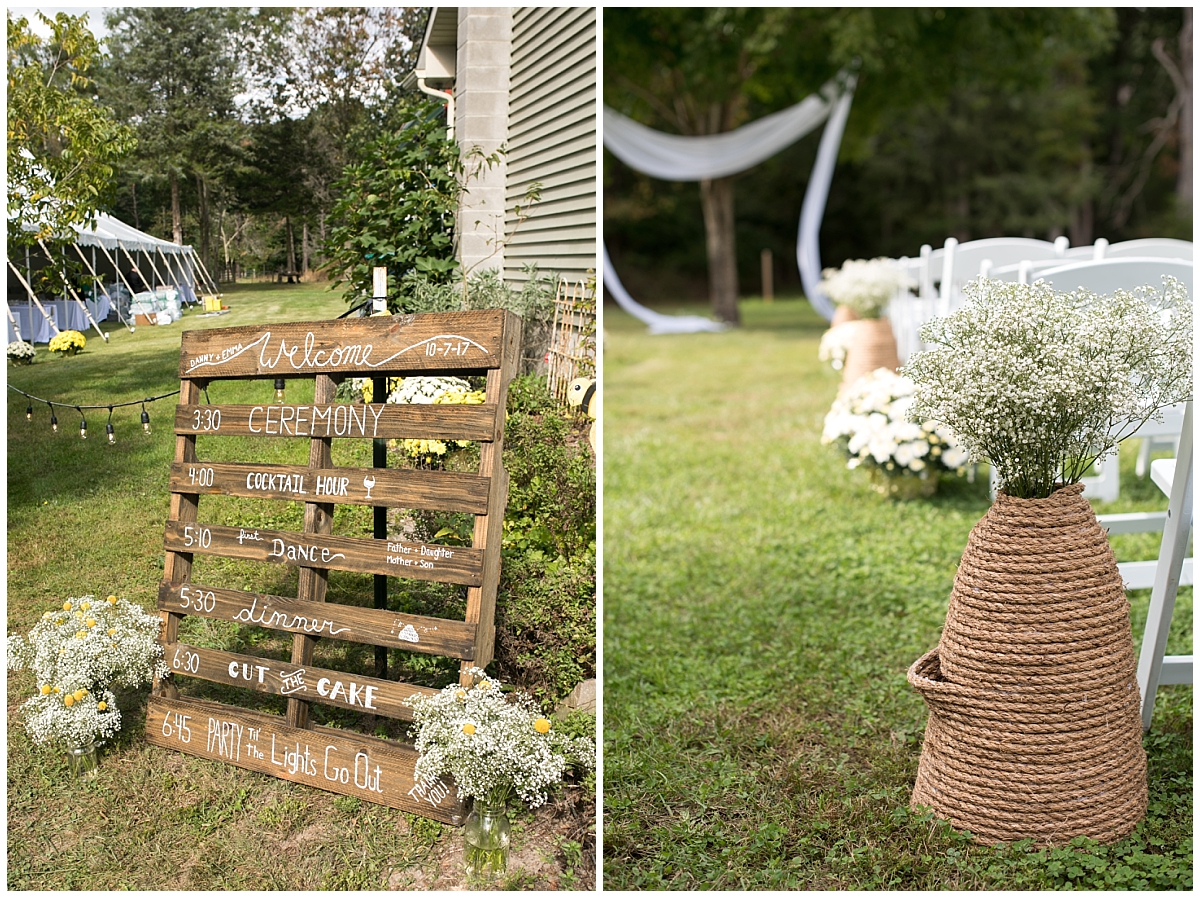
(370, 626)
(395, 558)
(439, 342)
(402, 488)
(313, 684)
(371, 769)
(347, 420)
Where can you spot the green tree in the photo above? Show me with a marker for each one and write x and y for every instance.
(62, 144)
(953, 109)
(396, 207)
(174, 75)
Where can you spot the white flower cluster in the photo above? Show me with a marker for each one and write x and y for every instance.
(869, 422)
(423, 391)
(866, 286)
(1040, 384)
(835, 343)
(494, 746)
(76, 653)
(20, 351)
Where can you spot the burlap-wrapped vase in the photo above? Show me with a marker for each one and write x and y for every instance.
(842, 314)
(1034, 727)
(871, 344)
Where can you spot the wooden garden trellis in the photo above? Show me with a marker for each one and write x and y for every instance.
(573, 337)
(377, 770)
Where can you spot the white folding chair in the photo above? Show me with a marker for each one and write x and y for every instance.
(1151, 247)
(1175, 478)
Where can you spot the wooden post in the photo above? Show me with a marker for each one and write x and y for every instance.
(768, 275)
(379, 390)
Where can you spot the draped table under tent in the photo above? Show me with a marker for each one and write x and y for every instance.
(675, 157)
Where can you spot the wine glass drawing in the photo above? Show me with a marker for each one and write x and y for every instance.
(369, 482)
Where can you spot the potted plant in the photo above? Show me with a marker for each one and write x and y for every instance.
(869, 424)
(498, 747)
(67, 343)
(21, 353)
(1034, 728)
(865, 287)
(77, 654)
(422, 391)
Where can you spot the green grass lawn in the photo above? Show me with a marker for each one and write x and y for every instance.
(85, 517)
(762, 605)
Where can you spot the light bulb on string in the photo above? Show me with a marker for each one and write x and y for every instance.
(279, 385)
(108, 428)
(145, 419)
(29, 412)
(82, 424)
(53, 418)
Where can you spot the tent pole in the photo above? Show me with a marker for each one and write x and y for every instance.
(154, 268)
(92, 268)
(67, 286)
(136, 270)
(120, 277)
(29, 290)
(208, 277)
(167, 266)
(12, 320)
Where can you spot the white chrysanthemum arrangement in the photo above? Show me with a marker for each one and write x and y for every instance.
(496, 746)
(77, 654)
(1041, 384)
(866, 286)
(870, 424)
(835, 343)
(424, 391)
(21, 352)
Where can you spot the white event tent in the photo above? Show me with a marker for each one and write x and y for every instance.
(128, 263)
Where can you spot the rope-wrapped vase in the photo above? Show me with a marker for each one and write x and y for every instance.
(1034, 728)
(871, 345)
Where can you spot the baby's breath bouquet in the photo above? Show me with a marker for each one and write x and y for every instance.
(1041, 384)
(869, 423)
(77, 654)
(835, 343)
(866, 286)
(67, 342)
(497, 746)
(20, 352)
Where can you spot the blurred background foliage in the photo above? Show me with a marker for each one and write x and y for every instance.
(966, 122)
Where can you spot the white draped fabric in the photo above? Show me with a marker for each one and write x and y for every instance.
(674, 157)
(682, 158)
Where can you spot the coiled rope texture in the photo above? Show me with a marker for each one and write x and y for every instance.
(1034, 728)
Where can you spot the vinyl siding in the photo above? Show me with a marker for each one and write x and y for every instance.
(552, 139)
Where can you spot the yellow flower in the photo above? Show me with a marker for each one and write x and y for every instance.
(47, 616)
(484, 686)
(469, 729)
(69, 700)
(66, 606)
(91, 622)
(57, 690)
(81, 634)
(100, 706)
(79, 615)
(46, 689)
(79, 694)
(112, 600)
(461, 695)
(86, 605)
(112, 632)
(542, 725)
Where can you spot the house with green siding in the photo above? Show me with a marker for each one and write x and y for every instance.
(521, 78)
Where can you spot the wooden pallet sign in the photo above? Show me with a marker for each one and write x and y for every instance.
(485, 343)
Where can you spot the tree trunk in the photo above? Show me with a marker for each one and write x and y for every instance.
(205, 227)
(1183, 188)
(133, 189)
(291, 253)
(304, 249)
(716, 197)
(176, 213)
